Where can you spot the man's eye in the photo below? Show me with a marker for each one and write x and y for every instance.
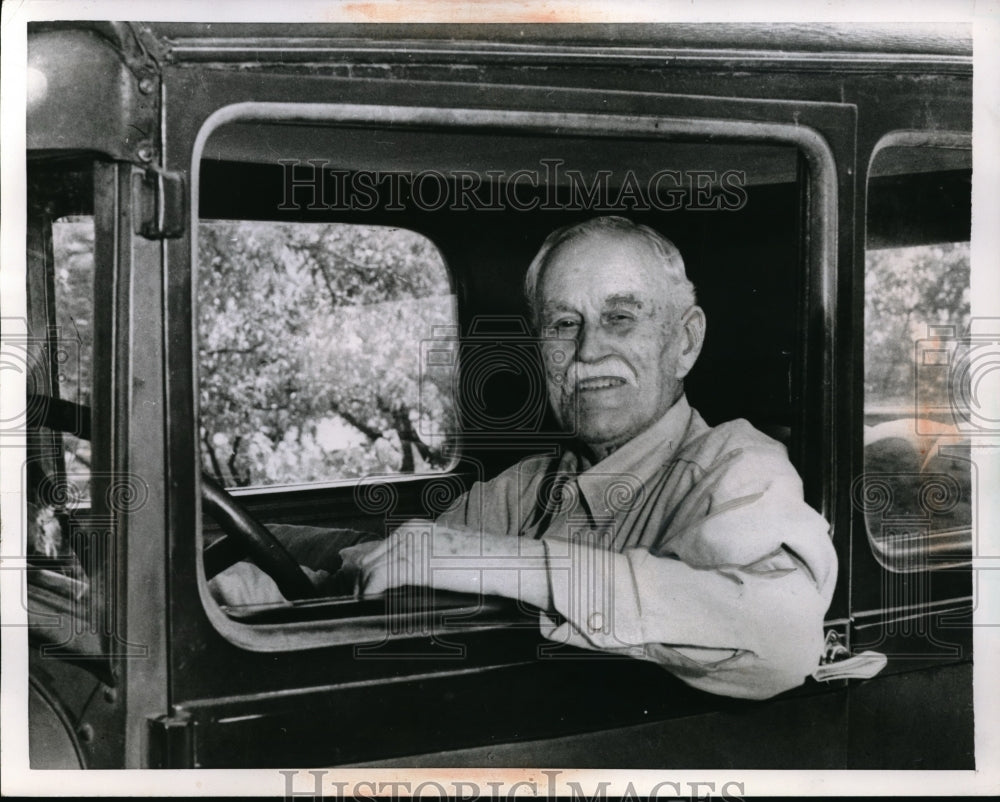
(618, 318)
(562, 326)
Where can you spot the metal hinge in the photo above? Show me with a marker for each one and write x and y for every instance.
(171, 742)
(159, 203)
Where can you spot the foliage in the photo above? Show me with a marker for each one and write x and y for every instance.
(309, 351)
(73, 246)
(907, 290)
(73, 262)
(309, 342)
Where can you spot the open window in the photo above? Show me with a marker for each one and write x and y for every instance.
(309, 352)
(322, 238)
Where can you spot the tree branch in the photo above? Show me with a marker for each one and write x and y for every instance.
(231, 462)
(216, 468)
(409, 439)
(326, 280)
(370, 432)
(251, 350)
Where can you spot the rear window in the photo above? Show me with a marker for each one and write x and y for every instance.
(916, 492)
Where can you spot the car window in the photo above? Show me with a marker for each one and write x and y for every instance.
(58, 353)
(916, 491)
(327, 336)
(309, 344)
(73, 262)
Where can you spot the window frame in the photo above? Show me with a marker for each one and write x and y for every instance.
(881, 598)
(75, 628)
(822, 222)
(42, 309)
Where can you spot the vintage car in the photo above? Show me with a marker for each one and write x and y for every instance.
(274, 276)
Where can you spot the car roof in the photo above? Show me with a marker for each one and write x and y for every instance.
(954, 39)
(900, 38)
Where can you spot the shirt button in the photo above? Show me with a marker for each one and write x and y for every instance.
(595, 622)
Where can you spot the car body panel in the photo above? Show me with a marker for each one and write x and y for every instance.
(193, 687)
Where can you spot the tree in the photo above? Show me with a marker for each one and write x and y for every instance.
(73, 263)
(907, 290)
(73, 251)
(309, 351)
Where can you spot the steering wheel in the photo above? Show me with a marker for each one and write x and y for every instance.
(244, 535)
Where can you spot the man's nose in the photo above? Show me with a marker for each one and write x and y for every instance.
(591, 343)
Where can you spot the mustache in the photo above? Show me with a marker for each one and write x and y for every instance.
(608, 368)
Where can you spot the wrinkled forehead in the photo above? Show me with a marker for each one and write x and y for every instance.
(605, 267)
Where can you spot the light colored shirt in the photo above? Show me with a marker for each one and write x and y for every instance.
(690, 546)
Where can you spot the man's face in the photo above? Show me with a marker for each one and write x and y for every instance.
(611, 342)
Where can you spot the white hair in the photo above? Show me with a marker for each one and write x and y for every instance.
(683, 296)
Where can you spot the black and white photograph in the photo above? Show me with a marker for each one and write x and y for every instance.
(421, 399)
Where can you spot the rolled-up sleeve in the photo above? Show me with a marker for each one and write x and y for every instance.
(734, 599)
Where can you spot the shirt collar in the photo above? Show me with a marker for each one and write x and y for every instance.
(610, 484)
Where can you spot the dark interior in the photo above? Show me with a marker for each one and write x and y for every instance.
(744, 263)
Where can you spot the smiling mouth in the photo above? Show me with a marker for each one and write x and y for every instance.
(599, 383)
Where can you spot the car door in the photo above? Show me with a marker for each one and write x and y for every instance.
(357, 681)
(914, 497)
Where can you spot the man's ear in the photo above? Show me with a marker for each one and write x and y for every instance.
(692, 338)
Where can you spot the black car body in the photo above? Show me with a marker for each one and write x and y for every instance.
(785, 154)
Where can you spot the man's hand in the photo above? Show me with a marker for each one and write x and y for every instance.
(424, 554)
(418, 553)
(244, 583)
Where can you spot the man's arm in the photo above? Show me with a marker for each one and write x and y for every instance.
(751, 631)
(426, 553)
(748, 631)
(734, 600)
(732, 604)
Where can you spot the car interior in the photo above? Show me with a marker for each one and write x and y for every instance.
(744, 261)
(274, 301)
(747, 277)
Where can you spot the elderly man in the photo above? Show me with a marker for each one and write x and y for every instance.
(655, 535)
